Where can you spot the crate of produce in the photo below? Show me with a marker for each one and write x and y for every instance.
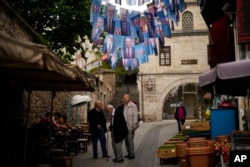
(166, 151)
(200, 125)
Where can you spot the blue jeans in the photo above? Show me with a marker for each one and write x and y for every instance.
(100, 135)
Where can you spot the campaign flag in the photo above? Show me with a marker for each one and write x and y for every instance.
(118, 2)
(140, 54)
(160, 35)
(174, 12)
(164, 23)
(117, 30)
(146, 43)
(118, 44)
(95, 10)
(131, 2)
(182, 5)
(97, 29)
(156, 3)
(113, 60)
(153, 47)
(136, 28)
(150, 24)
(142, 2)
(166, 3)
(110, 11)
(125, 22)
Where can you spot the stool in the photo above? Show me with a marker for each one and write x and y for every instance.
(72, 146)
(83, 144)
(62, 161)
(56, 152)
(87, 135)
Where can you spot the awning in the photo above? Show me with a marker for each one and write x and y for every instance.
(34, 67)
(212, 10)
(232, 78)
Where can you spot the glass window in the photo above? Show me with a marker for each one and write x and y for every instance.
(165, 56)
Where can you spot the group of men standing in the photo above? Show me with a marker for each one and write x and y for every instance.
(123, 124)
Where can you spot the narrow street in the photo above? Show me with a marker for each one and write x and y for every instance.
(148, 138)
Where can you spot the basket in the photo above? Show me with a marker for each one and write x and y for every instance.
(211, 144)
(197, 143)
(198, 156)
(196, 138)
(181, 149)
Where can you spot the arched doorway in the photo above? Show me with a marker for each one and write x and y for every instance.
(190, 94)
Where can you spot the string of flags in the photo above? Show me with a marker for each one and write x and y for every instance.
(131, 35)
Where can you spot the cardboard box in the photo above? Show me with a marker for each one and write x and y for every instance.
(200, 125)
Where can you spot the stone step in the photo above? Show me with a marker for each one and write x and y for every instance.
(131, 89)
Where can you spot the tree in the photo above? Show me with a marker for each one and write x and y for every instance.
(62, 24)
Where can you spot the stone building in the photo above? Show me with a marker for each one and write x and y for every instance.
(173, 74)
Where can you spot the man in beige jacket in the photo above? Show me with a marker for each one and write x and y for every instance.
(130, 112)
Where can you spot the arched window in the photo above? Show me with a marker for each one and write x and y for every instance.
(187, 21)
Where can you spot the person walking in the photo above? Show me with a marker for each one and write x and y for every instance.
(119, 131)
(130, 112)
(180, 115)
(97, 128)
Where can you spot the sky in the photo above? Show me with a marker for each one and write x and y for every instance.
(124, 5)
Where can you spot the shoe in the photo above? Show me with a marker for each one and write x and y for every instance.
(131, 157)
(95, 157)
(118, 160)
(106, 156)
(127, 156)
(114, 159)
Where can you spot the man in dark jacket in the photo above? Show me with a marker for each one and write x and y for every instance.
(97, 128)
(180, 115)
(119, 131)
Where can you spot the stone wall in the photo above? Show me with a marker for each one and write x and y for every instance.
(43, 101)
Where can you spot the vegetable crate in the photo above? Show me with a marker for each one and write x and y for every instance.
(165, 153)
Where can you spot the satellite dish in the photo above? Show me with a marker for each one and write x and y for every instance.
(79, 100)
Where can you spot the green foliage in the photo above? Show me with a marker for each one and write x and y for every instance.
(59, 22)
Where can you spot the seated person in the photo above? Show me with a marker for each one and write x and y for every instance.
(63, 123)
(48, 120)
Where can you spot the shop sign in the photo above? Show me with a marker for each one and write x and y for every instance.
(190, 61)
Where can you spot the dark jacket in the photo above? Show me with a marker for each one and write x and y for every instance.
(119, 127)
(176, 113)
(94, 118)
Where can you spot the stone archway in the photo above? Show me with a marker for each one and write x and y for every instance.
(170, 95)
